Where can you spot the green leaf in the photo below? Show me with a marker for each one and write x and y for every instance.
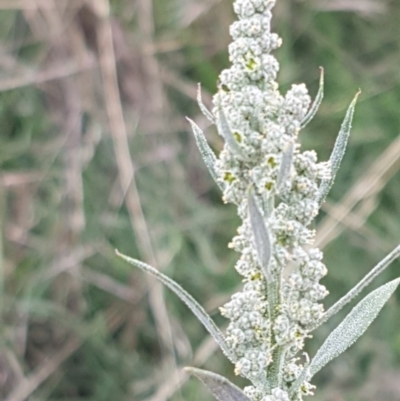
(338, 151)
(206, 152)
(192, 304)
(378, 269)
(220, 387)
(203, 108)
(286, 165)
(225, 131)
(317, 102)
(353, 326)
(261, 237)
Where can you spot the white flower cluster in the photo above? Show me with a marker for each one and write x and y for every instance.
(267, 160)
(277, 394)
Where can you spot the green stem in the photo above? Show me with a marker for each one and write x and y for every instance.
(273, 303)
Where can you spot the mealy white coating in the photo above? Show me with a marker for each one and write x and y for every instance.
(266, 124)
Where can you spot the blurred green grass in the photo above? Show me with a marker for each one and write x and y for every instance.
(77, 324)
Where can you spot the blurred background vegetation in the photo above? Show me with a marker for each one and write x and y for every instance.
(95, 154)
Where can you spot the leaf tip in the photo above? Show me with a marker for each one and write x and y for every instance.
(189, 370)
(322, 73)
(356, 97)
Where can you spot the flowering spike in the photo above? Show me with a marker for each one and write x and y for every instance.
(317, 102)
(268, 318)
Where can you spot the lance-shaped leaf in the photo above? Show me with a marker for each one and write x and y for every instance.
(338, 151)
(317, 102)
(353, 326)
(261, 237)
(206, 152)
(192, 304)
(378, 269)
(225, 131)
(220, 387)
(286, 165)
(203, 108)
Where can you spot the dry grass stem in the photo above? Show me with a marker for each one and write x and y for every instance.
(367, 186)
(126, 175)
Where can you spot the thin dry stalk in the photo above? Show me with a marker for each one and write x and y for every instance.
(355, 221)
(367, 7)
(115, 316)
(17, 179)
(126, 167)
(106, 283)
(17, 4)
(29, 384)
(34, 78)
(152, 71)
(367, 187)
(68, 261)
(169, 387)
(194, 10)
